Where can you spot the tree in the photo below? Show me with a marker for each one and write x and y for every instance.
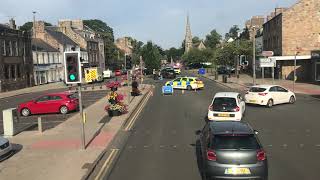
(198, 56)
(245, 35)
(174, 53)
(28, 26)
(106, 32)
(151, 56)
(196, 41)
(233, 32)
(213, 39)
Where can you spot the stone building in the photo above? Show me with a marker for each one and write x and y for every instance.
(256, 22)
(53, 39)
(87, 39)
(294, 31)
(48, 63)
(124, 44)
(188, 38)
(16, 67)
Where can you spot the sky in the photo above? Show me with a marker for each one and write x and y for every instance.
(160, 21)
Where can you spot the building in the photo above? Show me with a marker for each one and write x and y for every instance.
(50, 38)
(294, 32)
(16, 67)
(87, 39)
(124, 44)
(188, 37)
(48, 63)
(256, 22)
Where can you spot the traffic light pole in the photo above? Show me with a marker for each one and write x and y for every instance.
(83, 146)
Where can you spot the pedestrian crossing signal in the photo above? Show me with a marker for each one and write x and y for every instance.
(72, 66)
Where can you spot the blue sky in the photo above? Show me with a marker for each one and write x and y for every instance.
(162, 21)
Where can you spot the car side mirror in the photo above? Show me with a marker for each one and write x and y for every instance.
(256, 132)
(198, 132)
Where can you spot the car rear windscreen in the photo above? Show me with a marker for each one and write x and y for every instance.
(257, 89)
(224, 104)
(235, 142)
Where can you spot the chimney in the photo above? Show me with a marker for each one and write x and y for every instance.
(12, 24)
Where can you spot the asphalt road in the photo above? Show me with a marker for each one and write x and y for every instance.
(48, 120)
(162, 145)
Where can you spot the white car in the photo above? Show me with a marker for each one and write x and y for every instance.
(269, 95)
(226, 106)
(107, 74)
(5, 148)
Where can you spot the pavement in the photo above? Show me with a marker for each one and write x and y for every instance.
(162, 143)
(245, 81)
(56, 153)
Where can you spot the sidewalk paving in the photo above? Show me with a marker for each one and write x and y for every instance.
(55, 154)
(57, 85)
(245, 81)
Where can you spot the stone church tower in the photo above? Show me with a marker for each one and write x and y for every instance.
(188, 38)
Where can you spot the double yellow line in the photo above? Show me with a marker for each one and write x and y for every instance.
(107, 163)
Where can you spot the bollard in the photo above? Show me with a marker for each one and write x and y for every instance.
(40, 125)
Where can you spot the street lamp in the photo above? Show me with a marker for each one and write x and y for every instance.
(35, 36)
(254, 55)
(294, 70)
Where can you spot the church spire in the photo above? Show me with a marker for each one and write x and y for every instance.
(188, 38)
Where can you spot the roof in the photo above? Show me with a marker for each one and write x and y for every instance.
(226, 94)
(58, 93)
(59, 36)
(40, 45)
(230, 127)
(266, 86)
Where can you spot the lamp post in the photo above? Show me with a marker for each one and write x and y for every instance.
(294, 70)
(254, 55)
(35, 36)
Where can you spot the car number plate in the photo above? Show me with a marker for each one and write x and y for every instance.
(252, 101)
(223, 115)
(237, 171)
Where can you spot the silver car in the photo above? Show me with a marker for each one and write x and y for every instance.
(5, 148)
(231, 150)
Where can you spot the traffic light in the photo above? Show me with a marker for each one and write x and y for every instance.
(243, 60)
(128, 62)
(72, 67)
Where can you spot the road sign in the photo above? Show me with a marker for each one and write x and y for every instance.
(167, 90)
(267, 53)
(267, 62)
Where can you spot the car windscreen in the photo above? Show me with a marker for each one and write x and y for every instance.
(220, 142)
(224, 104)
(257, 89)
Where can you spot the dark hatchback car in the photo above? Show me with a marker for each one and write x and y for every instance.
(168, 73)
(231, 150)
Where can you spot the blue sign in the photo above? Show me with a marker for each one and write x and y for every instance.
(202, 71)
(167, 90)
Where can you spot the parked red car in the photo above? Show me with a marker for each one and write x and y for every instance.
(50, 103)
(118, 72)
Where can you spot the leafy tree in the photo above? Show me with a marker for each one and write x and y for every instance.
(196, 41)
(28, 26)
(151, 56)
(106, 32)
(245, 35)
(174, 53)
(233, 32)
(198, 56)
(213, 39)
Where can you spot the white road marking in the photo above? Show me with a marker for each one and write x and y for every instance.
(107, 163)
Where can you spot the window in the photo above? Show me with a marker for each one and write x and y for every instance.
(224, 104)
(235, 142)
(7, 46)
(273, 89)
(281, 89)
(184, 79)
(13, 71)
(10, 48)
(6, 71)
(43, 98)
(18, 71)
(3, 49)
(177, 80)
(55, 98)
(257, 89)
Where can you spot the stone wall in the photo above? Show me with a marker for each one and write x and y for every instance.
(66, 28)
(301, 28)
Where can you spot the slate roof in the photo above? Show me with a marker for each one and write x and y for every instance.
(40, 45)
(59, 36)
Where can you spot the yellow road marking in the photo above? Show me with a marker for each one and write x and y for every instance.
(107, 163)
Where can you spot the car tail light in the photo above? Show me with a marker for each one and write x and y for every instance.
(211, 155)
(261, 155)
(210, 108)
(237, 109)
(262, 94)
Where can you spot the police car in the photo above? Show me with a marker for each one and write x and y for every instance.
(188, 83)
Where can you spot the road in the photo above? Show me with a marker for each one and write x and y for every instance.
(162, 145)
(51, 120)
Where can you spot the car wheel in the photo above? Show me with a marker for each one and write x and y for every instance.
(25, 112)
(292, 100)
(270, 103)
(189, 88)
(64, 110)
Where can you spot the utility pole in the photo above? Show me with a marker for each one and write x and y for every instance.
(254, 56)
(83, 140)
(237, 60)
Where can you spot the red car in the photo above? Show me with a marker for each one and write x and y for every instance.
(50, 103)
(118, 73)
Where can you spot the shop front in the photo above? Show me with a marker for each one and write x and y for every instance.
(315, 57)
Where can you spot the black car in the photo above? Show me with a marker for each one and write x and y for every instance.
(231, 150)
(168, 73)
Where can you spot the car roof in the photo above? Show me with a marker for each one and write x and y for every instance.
(230, 127)
(58, 94)
(226, 94)
(266, 86)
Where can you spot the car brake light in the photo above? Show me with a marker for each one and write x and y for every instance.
(211, 155)
(237, 109)
(261, 155)
(262, 94)
(210, 108)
